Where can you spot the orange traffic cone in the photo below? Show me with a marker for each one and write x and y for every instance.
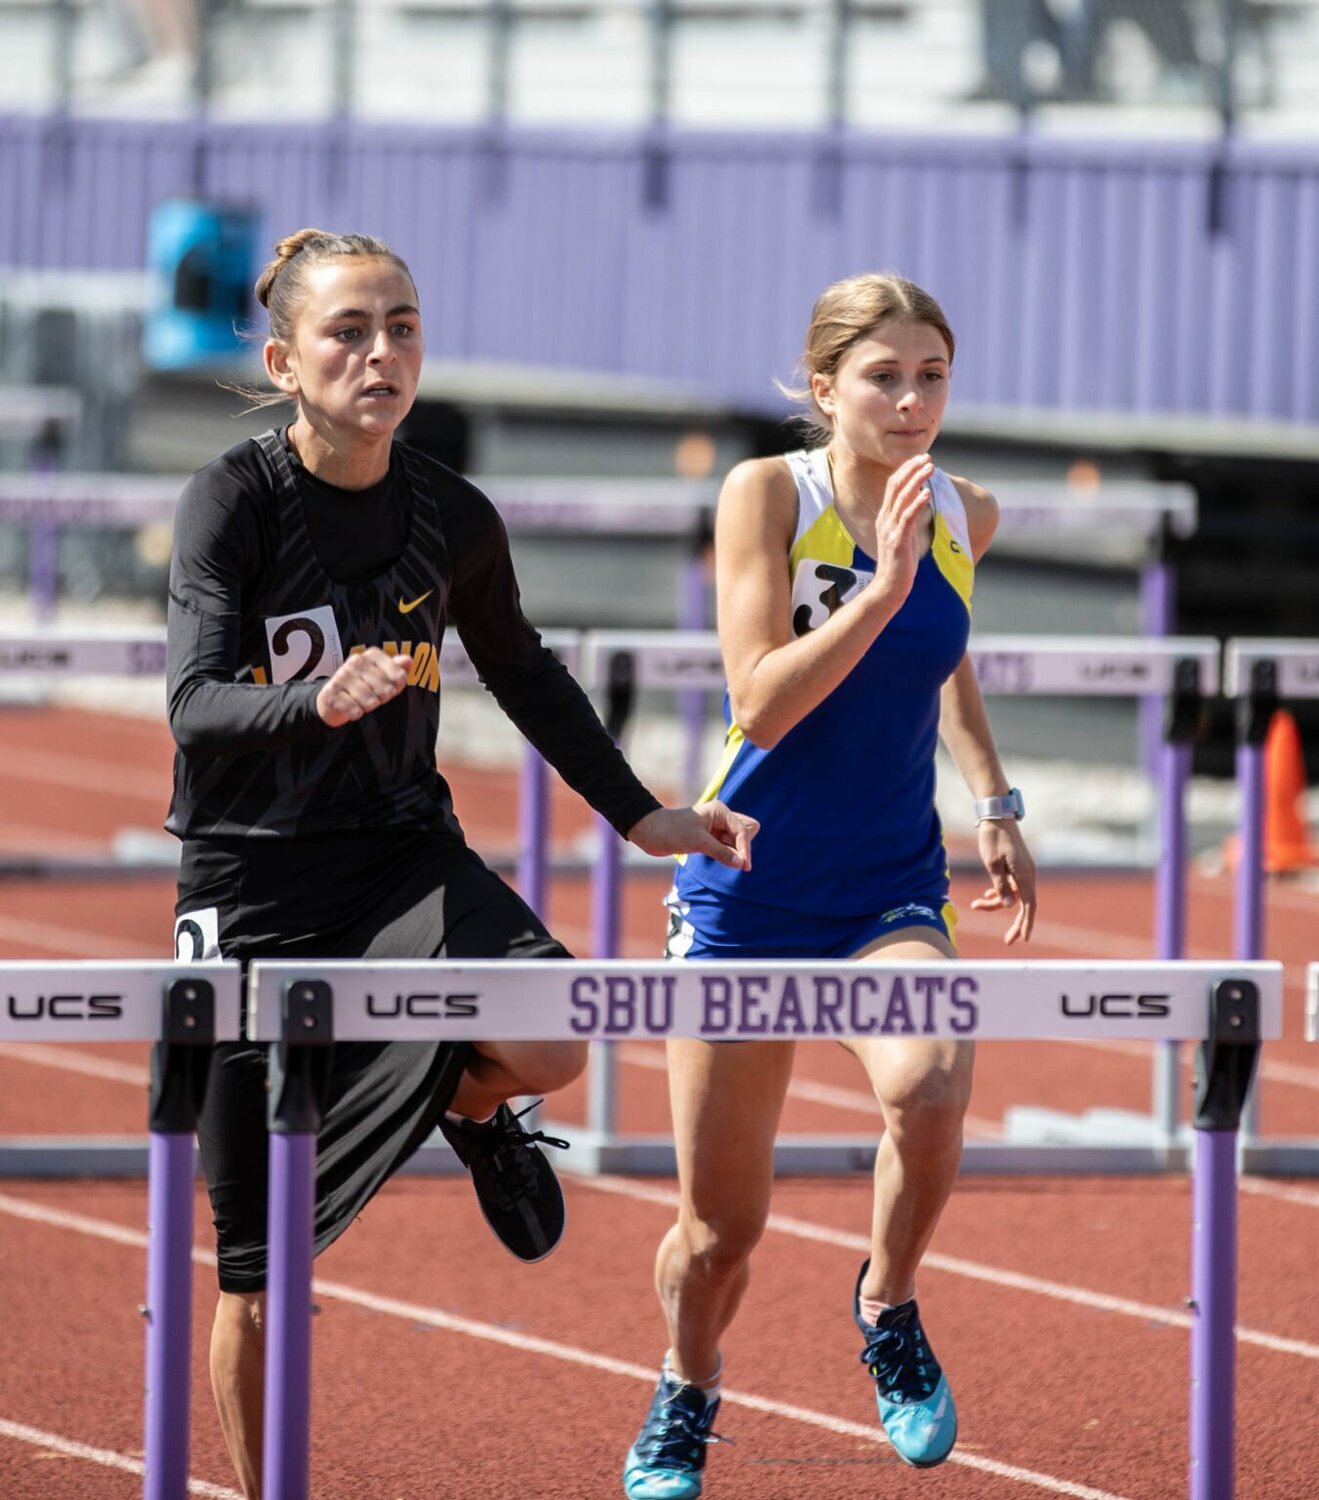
(1286, 841)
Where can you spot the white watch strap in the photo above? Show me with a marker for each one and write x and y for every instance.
(1009, 806)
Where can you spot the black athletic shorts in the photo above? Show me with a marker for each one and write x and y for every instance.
(404, 896)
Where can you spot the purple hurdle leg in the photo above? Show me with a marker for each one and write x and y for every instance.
(1249, 914)
(692, 615)
(1213, 1331)
(1224, 1066)
(533, 831)
(180, 1061)
(1249, 905)
(606, 925)
(169, 1314)
(1170, 914)
(1158, 593)
(606, 892)
(43, 544)
(285, 1471)
(299, 1074)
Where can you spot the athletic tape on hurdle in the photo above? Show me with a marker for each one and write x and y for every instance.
(302, 1009)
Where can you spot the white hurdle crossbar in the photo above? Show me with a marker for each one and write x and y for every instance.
(304, 1007)
(183, 1009)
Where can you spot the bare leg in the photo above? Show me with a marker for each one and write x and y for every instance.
(503, 1070)
(238, 1347)
(924, 1089)
(727, 1098)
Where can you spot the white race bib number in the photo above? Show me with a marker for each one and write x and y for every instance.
(197, 936)
(304, 646)
(820, 589)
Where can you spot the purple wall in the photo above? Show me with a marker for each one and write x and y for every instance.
(1078, 275)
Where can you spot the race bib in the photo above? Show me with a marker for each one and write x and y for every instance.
(819, 589)
(197, 936)
(304, 646)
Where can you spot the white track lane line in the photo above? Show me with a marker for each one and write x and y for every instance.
(25, 840)
(1263, 1187)
(822, 1234)
(83, 773)
(19, 1432)
(71, 942)
(566, 1353)
(88, 1064)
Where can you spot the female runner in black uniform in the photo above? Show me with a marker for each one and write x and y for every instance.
(315, 569)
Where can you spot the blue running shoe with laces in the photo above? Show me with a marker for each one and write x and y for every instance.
(916, 1407)
(666, 1461)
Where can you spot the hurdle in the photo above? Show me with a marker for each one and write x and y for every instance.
(137, 651)
(1312, 1003)
(183, 1009)
(1260, 676)
(1181, 671)
(304, 1008)
(1130, 521)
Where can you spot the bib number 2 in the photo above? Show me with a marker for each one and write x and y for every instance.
(304, 646)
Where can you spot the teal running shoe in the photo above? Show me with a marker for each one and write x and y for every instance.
(666, 1461)
(916, 1407)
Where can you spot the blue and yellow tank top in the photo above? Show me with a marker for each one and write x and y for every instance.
(846, 798)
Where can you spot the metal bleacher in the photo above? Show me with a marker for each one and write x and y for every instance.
(733, 63)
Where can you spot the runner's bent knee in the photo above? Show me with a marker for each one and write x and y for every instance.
(928, 1095)
(540, 1067)
(721, 1243)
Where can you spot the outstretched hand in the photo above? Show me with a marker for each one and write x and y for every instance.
(1012, 871)
(711, 829)
(364, 682)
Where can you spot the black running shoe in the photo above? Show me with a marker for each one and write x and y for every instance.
(515, 1184)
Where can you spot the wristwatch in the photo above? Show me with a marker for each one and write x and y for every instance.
(1010, 806)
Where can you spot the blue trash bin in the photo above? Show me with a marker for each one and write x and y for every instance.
(201, 255)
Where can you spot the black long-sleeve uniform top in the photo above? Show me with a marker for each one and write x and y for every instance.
(235, 574)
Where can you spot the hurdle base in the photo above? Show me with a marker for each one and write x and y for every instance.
(55, 1157)
(594, 1153)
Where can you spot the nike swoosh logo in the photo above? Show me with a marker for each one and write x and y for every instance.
(406, 609)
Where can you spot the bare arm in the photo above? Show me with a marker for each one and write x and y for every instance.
(964, 726)
(775, 678)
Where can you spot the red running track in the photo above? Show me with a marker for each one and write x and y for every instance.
(445, 1369)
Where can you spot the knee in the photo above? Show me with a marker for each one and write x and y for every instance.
(549, 1066)
(927, 1106)
(719, 1246)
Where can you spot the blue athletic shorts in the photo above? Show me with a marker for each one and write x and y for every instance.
(703, 924)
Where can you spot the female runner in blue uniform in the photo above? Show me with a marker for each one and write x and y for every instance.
(315, 571)
(844, 576)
